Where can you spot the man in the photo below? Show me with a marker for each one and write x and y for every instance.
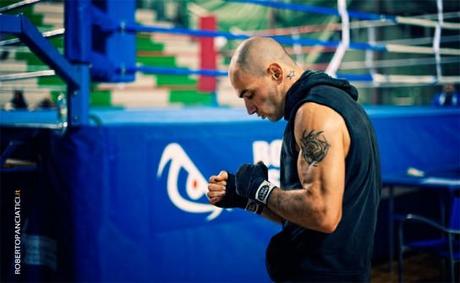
(18, 101)
(330, 175)
(448, 97)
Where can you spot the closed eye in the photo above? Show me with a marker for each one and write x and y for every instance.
(249, 95)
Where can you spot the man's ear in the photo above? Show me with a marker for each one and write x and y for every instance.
(275, 72)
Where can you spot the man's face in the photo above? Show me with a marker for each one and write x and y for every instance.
(449, 88)
(261, 94)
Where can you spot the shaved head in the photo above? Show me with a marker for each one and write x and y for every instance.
(255, 54)
(261, 72)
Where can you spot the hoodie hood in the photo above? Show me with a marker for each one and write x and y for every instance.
(309, 79)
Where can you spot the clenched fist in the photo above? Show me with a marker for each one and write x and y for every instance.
(222, 191)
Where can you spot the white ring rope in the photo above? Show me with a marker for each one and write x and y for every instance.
(437, 40)
(353, 25)
(50, 33)
(369, 55)
(410, 79)
(420, 40)
(420, 50)
(389, 63)
(27, 75)
(426, 23)
(344, 43)
(17, 5)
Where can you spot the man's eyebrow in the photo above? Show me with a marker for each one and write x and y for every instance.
(243, 92)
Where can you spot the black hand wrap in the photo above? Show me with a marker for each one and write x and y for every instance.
(232, 200)
(252, 182)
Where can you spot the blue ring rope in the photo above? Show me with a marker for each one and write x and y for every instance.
(220, 73)
(355, 77)
(316, 9)
(176, 71)
(286, 40)
(184, 31)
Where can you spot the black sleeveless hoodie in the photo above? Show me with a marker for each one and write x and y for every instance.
(344, 254)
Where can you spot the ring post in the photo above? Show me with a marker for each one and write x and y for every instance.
(77, 44)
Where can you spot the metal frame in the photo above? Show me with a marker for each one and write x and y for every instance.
(76, 76)
(444, 229)
(74, 67)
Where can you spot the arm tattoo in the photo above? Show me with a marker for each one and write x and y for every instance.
(314, 147)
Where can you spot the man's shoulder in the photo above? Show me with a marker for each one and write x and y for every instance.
(316, 114)
(326, 89)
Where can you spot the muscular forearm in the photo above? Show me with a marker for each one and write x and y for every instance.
(270, 215)
(302, 207)
(312, 207)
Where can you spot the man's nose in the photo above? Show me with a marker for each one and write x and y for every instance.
(249, 107)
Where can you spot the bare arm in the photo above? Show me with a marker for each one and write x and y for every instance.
(323, 141)
(270, 215)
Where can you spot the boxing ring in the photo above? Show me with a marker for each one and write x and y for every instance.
(119, 194)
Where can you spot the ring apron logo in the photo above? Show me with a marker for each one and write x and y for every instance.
(196, 185)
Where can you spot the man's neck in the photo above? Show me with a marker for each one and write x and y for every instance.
(292, 76)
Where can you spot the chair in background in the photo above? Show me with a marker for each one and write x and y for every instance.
(447, 246)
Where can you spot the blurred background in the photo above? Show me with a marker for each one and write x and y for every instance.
(169, 50)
